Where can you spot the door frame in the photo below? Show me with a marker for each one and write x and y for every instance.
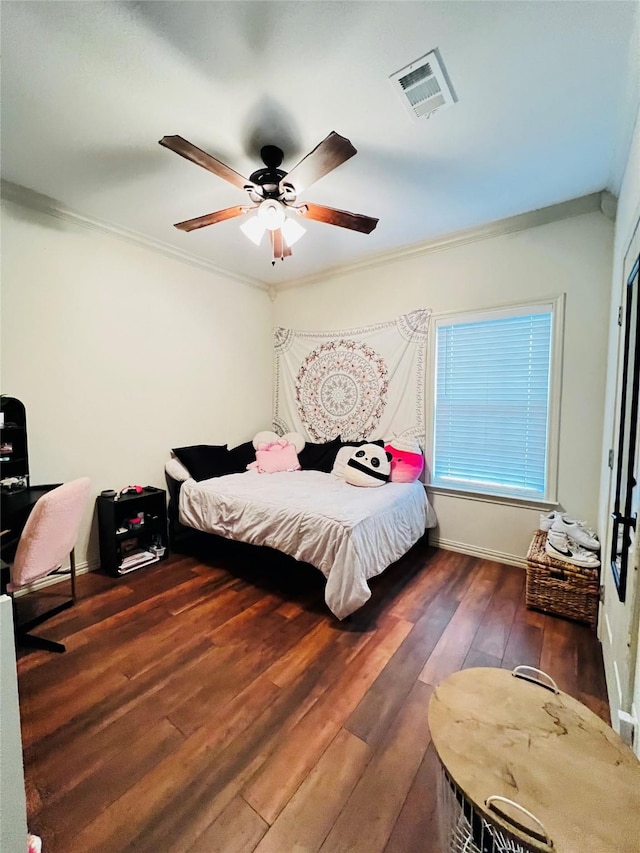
(621, 689)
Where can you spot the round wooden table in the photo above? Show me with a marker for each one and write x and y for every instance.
(500, 735)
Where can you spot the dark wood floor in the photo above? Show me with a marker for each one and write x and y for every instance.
(203, 708)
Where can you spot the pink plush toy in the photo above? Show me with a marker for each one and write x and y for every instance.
(275, 454)
(407, 460)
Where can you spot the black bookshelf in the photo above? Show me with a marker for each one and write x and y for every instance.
(132, 530)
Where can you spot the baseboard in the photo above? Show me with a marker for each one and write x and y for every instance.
(436, 542)
(482, 553)
(51, 580)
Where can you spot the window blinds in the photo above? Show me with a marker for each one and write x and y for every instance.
(492, 404)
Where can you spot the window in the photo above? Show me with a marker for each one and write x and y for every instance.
(493, 401)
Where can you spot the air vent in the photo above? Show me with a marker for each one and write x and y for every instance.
(424, 85)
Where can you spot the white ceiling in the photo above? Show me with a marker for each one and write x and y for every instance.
(88, 89)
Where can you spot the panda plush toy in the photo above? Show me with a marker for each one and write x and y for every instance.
(368, 465)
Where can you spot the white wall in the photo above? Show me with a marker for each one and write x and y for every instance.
(572, 256)
(120, 353)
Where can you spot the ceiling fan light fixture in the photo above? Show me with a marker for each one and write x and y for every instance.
(253, 229)
(271, 214)
(292, 231)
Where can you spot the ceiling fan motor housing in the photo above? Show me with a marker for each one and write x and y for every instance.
(269, 179)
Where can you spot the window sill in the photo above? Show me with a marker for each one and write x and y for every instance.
(503, 500)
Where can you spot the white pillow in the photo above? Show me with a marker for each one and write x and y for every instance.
(342, 456)
(340, 463)
(176, 470)
(368, 465)
(266, 437)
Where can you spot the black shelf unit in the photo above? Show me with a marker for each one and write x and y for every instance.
(14, 454)
(130, 525)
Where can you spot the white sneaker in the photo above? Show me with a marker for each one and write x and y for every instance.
(559, 546)
(547, 519)
(577, 531)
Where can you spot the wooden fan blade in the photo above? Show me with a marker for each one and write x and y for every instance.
(332, 216)
(211, 218)
(279, 246)
(201, 158)
(326, 156)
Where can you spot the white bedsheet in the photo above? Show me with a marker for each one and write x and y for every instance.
(351, 534)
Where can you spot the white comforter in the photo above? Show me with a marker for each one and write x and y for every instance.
(351, 534)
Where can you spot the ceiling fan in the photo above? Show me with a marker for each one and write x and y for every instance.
(274, 193)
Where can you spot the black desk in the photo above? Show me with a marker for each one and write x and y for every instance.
(15, 508)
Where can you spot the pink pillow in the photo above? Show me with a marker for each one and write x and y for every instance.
(407, 460)
(274, 457)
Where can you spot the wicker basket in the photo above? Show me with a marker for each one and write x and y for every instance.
(563, 589)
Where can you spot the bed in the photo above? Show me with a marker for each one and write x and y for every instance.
(350, 534)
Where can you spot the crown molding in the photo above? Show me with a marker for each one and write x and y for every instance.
(591, 203)
(43, 204)
(608, 205)
(602, 202)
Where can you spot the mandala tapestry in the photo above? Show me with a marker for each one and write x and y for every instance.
(361, 383)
